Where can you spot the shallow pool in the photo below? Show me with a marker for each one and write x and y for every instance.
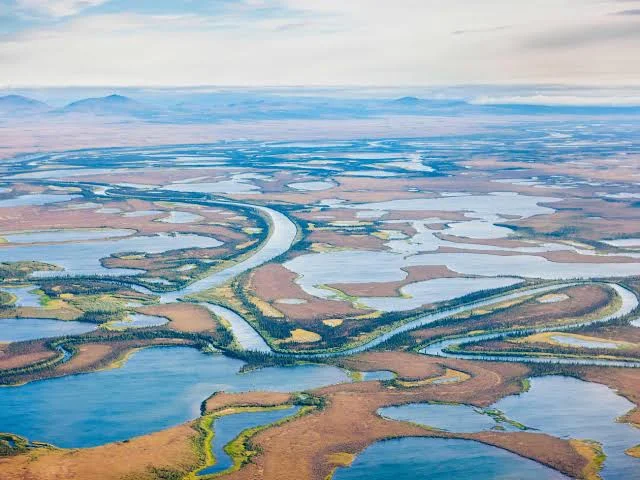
(579, 342)
(35, 200)
(25, 296)
(181, 217)
(21, 329)
(436, 290)
(138, 320)
(83, 258)
(453, 418)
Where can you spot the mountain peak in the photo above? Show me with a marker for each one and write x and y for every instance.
(407, 101)
(20, 104)
(113, 104)
(115, 97)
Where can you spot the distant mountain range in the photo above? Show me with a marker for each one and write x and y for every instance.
(426, 103)
(109, 105)
(216, 106)
(409, 101)
(17, 104)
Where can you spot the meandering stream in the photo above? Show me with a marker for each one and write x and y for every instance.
(282, 233)
(444, 348)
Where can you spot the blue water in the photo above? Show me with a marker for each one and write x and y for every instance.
(230, 426)
(441, 459)
(157, 388)
(35, 199)
(560, 406)
(377, 375)
(24, 296)
(453, 418)
(138, 320)
(21, 329)
(83, 258)
(570, 408)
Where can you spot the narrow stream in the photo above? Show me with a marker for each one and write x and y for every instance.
(443, 348)
(282, 233)
(228, 427)
(245, 334)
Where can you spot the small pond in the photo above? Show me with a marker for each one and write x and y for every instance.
(21, 329)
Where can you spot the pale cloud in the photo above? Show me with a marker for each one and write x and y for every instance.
(332, 42)
(481, 30)
(594, 34)
(633, 11)
(56, 8)
(619, 99)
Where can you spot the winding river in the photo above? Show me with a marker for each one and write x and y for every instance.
(106, 406)
(282, 233)
(444, 348)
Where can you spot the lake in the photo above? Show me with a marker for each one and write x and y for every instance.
(441, 459)
(152, 391)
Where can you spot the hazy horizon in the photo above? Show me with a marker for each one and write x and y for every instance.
(543, 95)
(331, 43)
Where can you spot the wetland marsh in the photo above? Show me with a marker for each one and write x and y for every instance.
(258, 281)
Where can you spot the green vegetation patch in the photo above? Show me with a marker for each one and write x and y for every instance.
(240, 450)
(16, 271)
(7, 299)
(11, 444)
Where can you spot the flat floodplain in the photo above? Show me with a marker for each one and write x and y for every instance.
(216, 303)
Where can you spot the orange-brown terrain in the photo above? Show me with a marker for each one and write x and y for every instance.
(184, 317)
(341, 239)
(273, 282)
(90, 356)
(582, 300)
(16, 355)
(220, 400)
(146, 457)
(391, 289)
(349, 423)
(55, 217)
(610, 169)
(46, 135)
(341, 420)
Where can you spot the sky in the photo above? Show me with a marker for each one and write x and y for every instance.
(319, 42)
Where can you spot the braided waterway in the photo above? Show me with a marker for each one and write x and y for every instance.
(282, 234)
(447, 348)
